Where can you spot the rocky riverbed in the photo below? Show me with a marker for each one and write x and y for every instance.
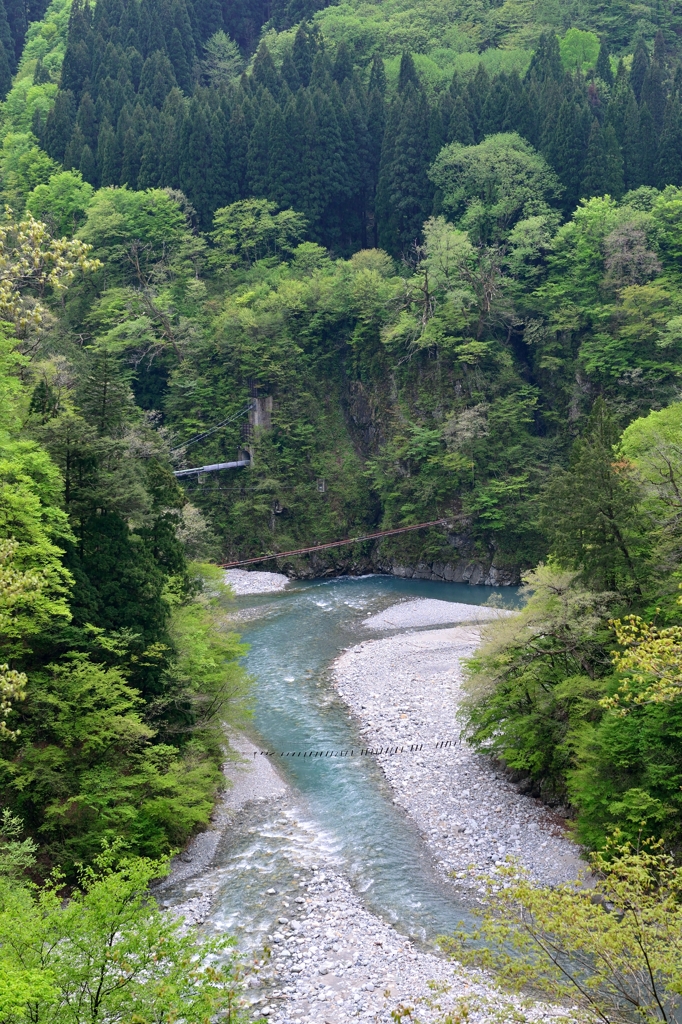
(326, 959)
(406, 689)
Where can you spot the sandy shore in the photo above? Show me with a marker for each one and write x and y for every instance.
(333, 962)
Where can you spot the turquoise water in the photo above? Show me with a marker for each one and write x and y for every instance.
(340, 810)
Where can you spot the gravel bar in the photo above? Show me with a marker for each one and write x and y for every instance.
(406, 689)
(330, 961)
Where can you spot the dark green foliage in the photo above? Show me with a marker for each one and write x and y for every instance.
(590, 511)
(135, 115)
(603, 65)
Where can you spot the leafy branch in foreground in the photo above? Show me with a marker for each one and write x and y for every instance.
(108, 953)
(612, 947)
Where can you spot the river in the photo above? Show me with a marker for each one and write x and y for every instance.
(339, 812)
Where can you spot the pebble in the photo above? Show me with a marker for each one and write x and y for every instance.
(333, 962)
(407, 689)
(338, 963)
(243, 582)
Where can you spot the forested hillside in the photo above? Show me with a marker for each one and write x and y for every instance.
(444, 242)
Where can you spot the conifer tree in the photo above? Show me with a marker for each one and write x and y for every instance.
(264, 71)
(639, 68)
(178, 58)
(60, 124)
(519, 115)
(475, 97)
(566, 152)
(5, 73)
(459, 127)
(594, 169)
(669, 163)
(238, 141)
(290, 73)
(74, 150)
(17, 19)
(494, 110)
(407, 193)
(108, 156)
(281, 168)
(653, 94)
(648, 147)
(195, 163)
(88, 167)
(86, 120)
(258, 154)
(614, 175)
(302, 54)
(408, 73)
(545, 64)
(343, 65)
(377, 76)
(321, 75)
(6, 40)
(623, 116)
(603, 65)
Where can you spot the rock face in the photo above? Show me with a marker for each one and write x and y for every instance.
(460, 570)
(463, 571)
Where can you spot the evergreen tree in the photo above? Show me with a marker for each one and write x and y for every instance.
(238, 141)
(408, 190)
(265, 72)
(283, 157)
(6, 40)
(639, 68)
(653, 94)
(290, 73)
(74, 150)
(603, 65)
(614, 171)
(5, 73)
(108, 156)
(41, 76)
(475, 97)
(60, 124)
(195, 163)
(86, 120)
(377, 76)
(669, 164)
(258, 156)
(623, 116)
(594, 177)
(17, 20)
(302, 54)
(321, 75)
(343, 65)
(178, 58)
(545, 64)
(566, 152)
(459, 126)
(88, 167)
(494, 110)
(519, 115)
(408, 73)
(648, 147)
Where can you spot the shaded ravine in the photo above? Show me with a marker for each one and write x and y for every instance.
(338, 812)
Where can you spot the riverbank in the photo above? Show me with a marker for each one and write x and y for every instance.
(407, 689)
(328, 960)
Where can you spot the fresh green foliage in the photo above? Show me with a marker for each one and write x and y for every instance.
(612, 948)
(116, 671)
(108, 952)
